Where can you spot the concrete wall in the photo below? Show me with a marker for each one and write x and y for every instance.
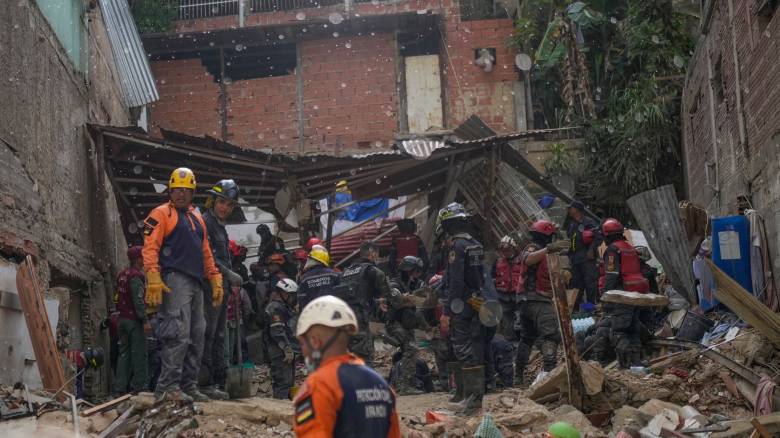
(731, 114)
(52, 205)
(351, 84)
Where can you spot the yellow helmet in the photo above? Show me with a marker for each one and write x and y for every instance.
(182, 178)
(341, 186)
(320, 254)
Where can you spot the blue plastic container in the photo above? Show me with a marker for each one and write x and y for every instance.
(731, 248)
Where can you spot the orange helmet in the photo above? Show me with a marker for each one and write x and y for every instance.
(276, 259)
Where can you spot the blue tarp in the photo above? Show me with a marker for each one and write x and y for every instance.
(362, 210)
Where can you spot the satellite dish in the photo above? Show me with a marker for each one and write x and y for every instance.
(523, 62)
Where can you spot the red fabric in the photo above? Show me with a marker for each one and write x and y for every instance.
(124, 303)
(543, 282)
(631, 268)
(764, 394)
(509, 275)
(406, 245)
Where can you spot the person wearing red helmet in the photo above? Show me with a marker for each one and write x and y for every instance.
(622, 271)
(508, 273)
(537, 319)
(311, 242)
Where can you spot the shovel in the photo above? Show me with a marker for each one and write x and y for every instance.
(239, 378)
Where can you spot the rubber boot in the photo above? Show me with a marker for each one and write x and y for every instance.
(457, 371)
(549, 355)
(521, 361)
(473, 391)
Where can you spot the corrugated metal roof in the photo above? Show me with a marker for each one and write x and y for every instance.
(135, 76)
(421, 149)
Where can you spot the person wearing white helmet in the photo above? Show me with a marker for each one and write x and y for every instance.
(342, 396)
(278, 333)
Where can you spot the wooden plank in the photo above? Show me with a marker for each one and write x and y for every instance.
(658, 216)
(576, 383)
(105, 406)
(634, 298)
(762, 432)
(46, 355)
(745, 305)
(118, 426)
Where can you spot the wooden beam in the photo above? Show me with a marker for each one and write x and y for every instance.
(105, 406)
(46, 355)
(745, 305)
(760, 429)
(576, 383)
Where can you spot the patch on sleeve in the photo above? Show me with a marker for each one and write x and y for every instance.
(149, 225)
(452, 256)
(304, 411)
(610, 263)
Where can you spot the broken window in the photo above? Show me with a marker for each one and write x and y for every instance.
(241, 62)
(419, 43)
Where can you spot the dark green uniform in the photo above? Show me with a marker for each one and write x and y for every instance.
(401, 324)
(131, 367)
(282, 346)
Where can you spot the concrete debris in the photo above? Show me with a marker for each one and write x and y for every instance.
(634, 298)
(628, 416)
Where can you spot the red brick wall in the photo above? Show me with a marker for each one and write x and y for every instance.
(263, 113)
(349, 92)
(189, 98)
(752, 168)
(349, 85)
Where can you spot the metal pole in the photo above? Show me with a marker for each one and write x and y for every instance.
(241, 12)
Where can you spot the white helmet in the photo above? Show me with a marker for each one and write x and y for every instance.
(508, 241)
(329, 311)
(287, 285)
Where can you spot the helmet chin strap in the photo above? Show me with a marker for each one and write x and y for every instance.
(316, 355)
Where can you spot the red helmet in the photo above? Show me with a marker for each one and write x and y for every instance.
(236, 250)
(301, 255)
(543, 227)
(611, 226)
(313, 241)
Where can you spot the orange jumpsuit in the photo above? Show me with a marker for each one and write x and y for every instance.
(345, 398)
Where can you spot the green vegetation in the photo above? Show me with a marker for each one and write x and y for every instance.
(153, 16)
(615, 67)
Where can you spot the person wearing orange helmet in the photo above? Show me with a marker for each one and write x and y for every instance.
(177, 256)
(623, 271)
(537, 318)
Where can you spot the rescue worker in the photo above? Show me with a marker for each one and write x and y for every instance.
(317, 278)
(177, 255)
(622, 271)
(238, 256)
(311, 242)
(403, 319)
(464, 283)
(220, 205)
(279, 339)
(508, 275)
(269, 244)
(406, 243)
(362, 285)
(440, 343)
(649, 272)
(585, 238)
(537, 318)
(131, 368)
(341, 397)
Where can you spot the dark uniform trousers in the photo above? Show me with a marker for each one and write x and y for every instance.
(468, 337)
(362, 343)
(537, 322)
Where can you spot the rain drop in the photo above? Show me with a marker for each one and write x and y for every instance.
(300, 16)
(335, 18)
(167, 251)
(335, 34)
(378, 181)
(613, 20)
(133, 191)
(343, 85)
(348, 45)
(457, 305)
(655, 39)
(281, 37)
(638, 117)
(239, 47)
(138, 169)
(679, 62)
(132, 228)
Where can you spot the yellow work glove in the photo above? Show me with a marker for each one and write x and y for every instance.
(216, 291)
(154, 289)
(476, 303)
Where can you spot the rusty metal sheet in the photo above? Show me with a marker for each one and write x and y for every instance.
(423, 93)
(658, 216)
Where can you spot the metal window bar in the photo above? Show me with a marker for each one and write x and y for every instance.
(196, 9)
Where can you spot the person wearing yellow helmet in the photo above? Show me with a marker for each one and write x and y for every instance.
(317, 278)
(177, 256)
